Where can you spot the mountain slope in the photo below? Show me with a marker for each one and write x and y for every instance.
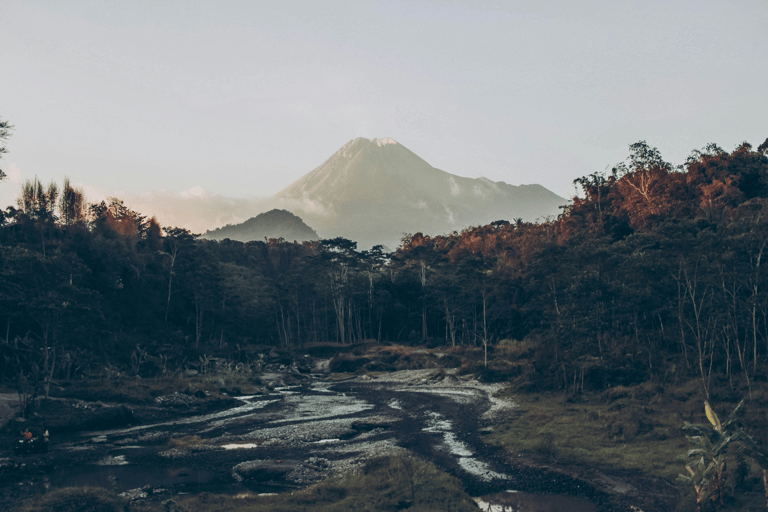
(372, 191)
(272, 224)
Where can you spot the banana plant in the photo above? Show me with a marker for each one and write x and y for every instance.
(707, 473)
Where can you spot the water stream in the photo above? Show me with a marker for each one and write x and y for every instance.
(296, 436)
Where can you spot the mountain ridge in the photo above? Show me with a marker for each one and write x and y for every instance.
(373, 191)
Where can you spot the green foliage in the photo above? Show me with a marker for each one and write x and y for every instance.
(618, 428)
(186, 442)
(652, 272)
(707, 473)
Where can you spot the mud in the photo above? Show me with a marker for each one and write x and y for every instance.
(297, 435)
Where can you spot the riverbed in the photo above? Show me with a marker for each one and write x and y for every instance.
(294, 436)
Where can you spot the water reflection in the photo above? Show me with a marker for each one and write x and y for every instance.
(125, 477)
(526, 502)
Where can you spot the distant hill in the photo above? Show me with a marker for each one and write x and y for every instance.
(272, 224)
(373, 191)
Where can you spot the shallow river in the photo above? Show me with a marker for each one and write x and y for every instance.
(299, 435)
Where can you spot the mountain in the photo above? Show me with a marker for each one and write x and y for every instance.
(272, 224)
(373, 191)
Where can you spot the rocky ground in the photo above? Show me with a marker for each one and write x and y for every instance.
(305, 426)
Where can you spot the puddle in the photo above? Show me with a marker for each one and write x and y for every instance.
(240, 446)
(480, 469)
(117, 460)
(526, 502)
(126, 477)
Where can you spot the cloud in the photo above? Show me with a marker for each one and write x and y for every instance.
(455, 188)
(195, 209)
(451, 217)
(303, 204)
(479, 191)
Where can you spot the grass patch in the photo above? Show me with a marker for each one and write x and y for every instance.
(387, 483)
(373, 358)
(637, 427)
(121, 390)
(75, 499)
(186, 442)
(623, 428)
(129, 390)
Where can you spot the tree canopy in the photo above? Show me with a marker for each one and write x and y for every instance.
(650, 267)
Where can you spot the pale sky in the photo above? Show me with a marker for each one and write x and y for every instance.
(242, 98)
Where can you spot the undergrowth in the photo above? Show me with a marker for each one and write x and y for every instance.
(624, 428)
(387, 483)
(75, 499)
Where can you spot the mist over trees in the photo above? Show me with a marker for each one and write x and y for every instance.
(652, 272)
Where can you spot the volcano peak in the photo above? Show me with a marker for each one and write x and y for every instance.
(384, 141)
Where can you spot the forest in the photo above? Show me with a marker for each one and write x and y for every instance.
(652, 272)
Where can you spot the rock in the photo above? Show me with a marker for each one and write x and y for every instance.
(190, 373)
(176, 399)
(117, 460)
(134, 494)
(263, 470)
(174, 453)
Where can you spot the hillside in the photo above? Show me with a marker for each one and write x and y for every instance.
(272, 224)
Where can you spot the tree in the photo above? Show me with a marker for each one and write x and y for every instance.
(117, 220)
(763, 148)
(72, 204)
(37, 202)
(5, 132)
(373, 262)
(38, 205)
(341, 256)
(175, 238)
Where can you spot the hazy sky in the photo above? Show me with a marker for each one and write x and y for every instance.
(243, 97)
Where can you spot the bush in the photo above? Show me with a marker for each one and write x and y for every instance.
(345, 364)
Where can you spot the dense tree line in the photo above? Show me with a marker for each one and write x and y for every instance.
(652, 272)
